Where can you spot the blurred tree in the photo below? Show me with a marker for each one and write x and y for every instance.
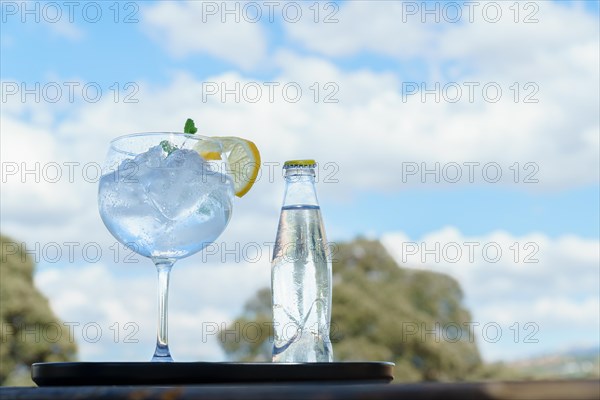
(249, 338)
(29, 330)
(381, 312)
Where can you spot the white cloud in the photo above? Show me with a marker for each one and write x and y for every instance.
(550, 283)
(554, 61)
(188, 28)
(373, 119)
(35, 184)
(374, 26)
(549, 304)
(471, 34)
(500, 48)
(364, 141)
(113, 314)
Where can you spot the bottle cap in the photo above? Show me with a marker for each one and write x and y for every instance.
(300, 164)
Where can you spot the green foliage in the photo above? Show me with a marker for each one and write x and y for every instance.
(381, 312)
(249, 337)
(29, 331)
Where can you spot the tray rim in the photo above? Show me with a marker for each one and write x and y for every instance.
(100, 373)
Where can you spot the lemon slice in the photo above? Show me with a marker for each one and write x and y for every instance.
(208, 149)
(244, 162)
(243, 158)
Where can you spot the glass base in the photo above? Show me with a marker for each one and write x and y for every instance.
(166, 358)
(162, 354)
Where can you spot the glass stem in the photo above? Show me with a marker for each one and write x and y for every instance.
(163, 266)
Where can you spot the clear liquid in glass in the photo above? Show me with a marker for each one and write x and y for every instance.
(165, 206)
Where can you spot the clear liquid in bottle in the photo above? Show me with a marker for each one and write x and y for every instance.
(301, 277)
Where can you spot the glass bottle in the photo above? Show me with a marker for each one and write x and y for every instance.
(301, 272)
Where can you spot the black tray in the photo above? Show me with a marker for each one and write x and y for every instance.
(194, 373)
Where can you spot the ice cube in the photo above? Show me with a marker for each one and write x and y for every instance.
(178, 190)
(185, 158)
(135, 170)
(151, 158)
(126, 210)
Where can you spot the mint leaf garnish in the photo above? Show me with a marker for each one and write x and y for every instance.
(168, 147)
(190, 127)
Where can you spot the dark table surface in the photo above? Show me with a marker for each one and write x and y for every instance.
(537, 390)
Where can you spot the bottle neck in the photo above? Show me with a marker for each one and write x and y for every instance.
(300, 187)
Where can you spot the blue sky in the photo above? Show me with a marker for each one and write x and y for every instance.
(373, 133)
(474, 211)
